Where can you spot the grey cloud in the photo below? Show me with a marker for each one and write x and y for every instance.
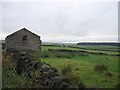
(77, 20)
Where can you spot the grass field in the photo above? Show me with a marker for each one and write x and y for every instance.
(79, 61)
(83, 64)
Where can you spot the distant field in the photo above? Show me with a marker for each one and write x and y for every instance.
(83, 63)
(110, 50)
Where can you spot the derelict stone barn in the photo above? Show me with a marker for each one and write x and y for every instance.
(23, 40)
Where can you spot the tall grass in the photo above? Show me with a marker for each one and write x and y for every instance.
(10, 79)
(101, 68)
(67, 71)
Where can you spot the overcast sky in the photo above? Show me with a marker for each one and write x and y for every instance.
(62, 20)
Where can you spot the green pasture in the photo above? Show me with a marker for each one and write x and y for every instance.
(110, 50)
(84, 65)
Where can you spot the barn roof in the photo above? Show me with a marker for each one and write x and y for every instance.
(22, 30)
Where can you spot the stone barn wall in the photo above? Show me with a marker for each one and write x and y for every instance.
(23, 40)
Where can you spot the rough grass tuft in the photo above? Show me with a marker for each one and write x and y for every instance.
(67, 71)
(101, 68)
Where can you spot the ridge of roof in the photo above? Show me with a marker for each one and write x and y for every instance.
(21, 30)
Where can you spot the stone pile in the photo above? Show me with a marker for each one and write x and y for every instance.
(48, 76)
